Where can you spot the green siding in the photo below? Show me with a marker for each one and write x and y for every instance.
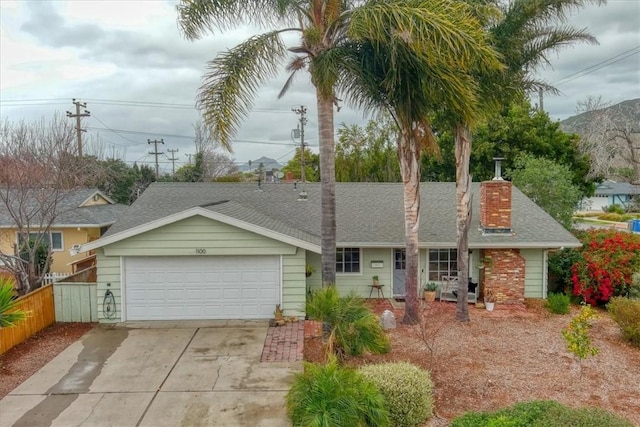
(293, 284)
(534, 273)
(185, 236)
(108, 273)
(315, 280)
(360, 283)
(182, 238)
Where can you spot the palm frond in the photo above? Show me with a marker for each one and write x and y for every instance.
(296, 64)
(199, 17)
(444, 32)
(232, 80)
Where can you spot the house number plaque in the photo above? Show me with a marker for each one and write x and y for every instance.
(201, 251)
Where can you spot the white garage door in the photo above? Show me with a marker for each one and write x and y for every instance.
(205, 287)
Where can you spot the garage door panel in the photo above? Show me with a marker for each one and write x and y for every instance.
(171, 288)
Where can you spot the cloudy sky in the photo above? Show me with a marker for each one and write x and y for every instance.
(139, 76)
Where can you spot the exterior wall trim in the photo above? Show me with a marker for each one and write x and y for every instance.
(207, 214)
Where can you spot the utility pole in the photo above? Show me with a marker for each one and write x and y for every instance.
(541, 97)
(302, 111)
(78, 116)
(155, 143)
(173, 159)
(189, 156)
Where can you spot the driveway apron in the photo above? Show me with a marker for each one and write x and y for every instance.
(175, 376)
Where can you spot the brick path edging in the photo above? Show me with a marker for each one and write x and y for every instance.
(284, 343)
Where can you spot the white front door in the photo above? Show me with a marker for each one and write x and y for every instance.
(203, 287)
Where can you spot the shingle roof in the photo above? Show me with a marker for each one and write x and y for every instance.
(68, 208)
(367, 214)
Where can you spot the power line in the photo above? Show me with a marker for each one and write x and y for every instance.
(135, 132)
(122, 102)
(598, 66)
(114, 131)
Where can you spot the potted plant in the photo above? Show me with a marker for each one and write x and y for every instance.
(489, 300)
(309, 270)
(429, 293)
(376, 280)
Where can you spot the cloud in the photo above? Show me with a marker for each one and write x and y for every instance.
(133, 51)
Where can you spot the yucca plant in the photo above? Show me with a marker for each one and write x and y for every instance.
(351, 327)
(331, 395)
(9, 314)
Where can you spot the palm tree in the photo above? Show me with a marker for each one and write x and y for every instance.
(327, 29)
(388, 75)
(9, 314)
(524, 36)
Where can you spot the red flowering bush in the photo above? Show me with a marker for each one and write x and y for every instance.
(606, 266)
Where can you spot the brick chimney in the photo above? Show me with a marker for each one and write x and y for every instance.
(495, 204)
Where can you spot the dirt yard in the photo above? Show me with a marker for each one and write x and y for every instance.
(25, 359)
(511, 355)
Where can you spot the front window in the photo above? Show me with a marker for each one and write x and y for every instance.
(442, 262)
(54, 239)
(347, 260)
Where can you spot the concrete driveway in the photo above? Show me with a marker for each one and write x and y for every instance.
(164, 375)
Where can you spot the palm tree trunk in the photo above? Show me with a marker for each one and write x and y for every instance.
(463, 217)
(410, 170)
(328, 188)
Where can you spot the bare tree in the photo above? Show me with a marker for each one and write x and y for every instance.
(611, 136)
(38, 168)
(215, 163)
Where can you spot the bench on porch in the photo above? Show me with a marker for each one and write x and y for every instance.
(448, 291)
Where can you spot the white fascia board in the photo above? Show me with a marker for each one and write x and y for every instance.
(207, 214)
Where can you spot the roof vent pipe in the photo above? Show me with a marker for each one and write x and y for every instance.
(302, 197)
(498, 169)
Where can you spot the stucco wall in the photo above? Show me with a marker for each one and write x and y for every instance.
(70, 237)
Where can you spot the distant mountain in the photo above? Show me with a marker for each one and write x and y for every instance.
(268, 163)
(623, 115)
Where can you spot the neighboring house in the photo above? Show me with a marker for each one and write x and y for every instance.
(610, 193)
(230, 251)
(82, 215)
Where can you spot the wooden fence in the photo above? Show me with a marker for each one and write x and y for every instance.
(76, 302)
(40, 306)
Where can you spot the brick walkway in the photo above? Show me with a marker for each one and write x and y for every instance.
(284, 343)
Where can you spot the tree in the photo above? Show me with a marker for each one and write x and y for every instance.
(524, 36)
(611, 136)
(518, 128)
(311, 165)
(119, 181)
(38, 168)
(328, 31)
(389, 75)
(367, 154)
(548, 184)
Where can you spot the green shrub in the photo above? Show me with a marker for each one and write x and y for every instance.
(541, 414)
(330, 395)
(626, 313)
(615, 208)
(560, 263)
(407, 390)
(352, 327)
(558, 303)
